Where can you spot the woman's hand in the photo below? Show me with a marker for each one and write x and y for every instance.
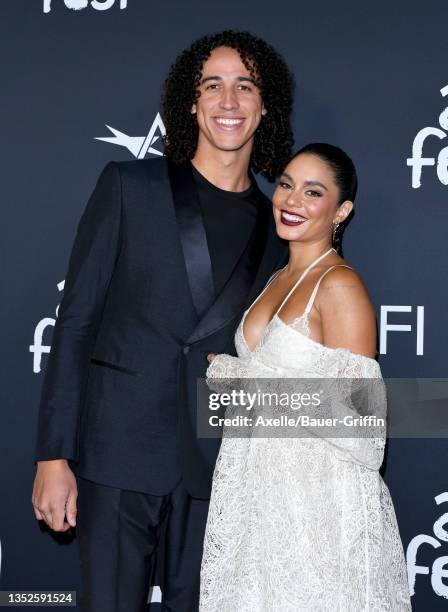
(210, 357)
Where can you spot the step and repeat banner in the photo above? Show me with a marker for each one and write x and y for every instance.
(80, 85)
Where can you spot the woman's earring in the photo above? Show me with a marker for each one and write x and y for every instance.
(335, 229)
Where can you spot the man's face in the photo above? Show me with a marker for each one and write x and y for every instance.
(229, 108)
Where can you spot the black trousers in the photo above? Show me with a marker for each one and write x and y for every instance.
(122, 534)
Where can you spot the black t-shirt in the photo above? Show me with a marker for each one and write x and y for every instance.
(229, 219)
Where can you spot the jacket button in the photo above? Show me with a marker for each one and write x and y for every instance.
(186, 350)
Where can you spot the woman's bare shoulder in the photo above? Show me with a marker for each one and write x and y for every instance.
(347, 311)
(343, 283)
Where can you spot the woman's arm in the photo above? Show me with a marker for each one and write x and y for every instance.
(347, 313)
(349, 325)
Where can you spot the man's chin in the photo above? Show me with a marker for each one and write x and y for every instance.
(228, 142)
(230, 146)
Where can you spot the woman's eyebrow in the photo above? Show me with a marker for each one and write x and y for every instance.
(286, 175)
(308, 183)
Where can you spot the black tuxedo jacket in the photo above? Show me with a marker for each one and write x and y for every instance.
(136, 322)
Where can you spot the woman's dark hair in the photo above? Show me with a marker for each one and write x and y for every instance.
(273, 138)
(345, 177)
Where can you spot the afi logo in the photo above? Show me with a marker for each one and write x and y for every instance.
(77, 5)
(139, 146)
(417, 161)
(439, 568)
(386, 327)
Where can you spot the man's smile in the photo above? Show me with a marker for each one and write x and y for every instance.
(228, 124)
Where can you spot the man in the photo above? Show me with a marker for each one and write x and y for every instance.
(167, 255)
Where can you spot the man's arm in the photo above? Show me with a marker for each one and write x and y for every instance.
(92, 261)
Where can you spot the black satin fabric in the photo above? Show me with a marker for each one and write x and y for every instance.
(193, 237)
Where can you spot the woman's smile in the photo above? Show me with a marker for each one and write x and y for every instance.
(288, 218)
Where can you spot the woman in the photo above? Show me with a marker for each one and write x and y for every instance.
(304, 524)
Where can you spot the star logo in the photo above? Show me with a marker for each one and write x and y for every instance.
(139, 146)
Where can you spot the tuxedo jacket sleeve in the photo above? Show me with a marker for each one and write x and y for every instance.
(91, 266)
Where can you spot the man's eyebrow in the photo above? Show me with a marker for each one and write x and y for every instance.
(219, 78)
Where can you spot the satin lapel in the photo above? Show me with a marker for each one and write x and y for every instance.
(255, 264)
(192, 236)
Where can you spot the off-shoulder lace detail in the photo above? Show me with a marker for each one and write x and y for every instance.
(300, 524)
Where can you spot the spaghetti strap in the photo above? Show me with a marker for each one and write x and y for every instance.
(268, 284)
(302, 276)
(316, 287)
(273, 277)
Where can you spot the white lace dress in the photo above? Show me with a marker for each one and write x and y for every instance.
(300, 524)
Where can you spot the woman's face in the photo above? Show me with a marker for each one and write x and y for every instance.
(305, 202)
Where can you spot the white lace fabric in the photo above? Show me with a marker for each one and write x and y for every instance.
(300, 524)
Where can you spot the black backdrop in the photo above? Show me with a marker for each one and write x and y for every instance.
(370, 77)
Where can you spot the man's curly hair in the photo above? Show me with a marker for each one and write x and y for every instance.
(273, 139)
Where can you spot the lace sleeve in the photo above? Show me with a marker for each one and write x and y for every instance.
(226, 366)
(351, 413)
(226, 374)
(365, 405)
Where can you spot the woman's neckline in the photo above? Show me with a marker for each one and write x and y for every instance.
(296, 331)
(293, 288)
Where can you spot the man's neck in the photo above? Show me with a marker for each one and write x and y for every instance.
(227, 170)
